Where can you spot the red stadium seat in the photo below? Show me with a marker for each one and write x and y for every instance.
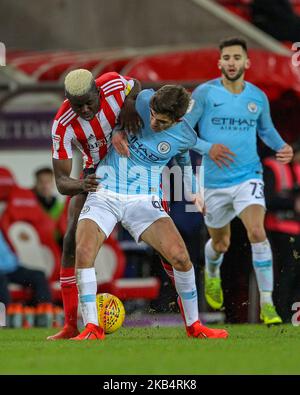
(53, 66)
(56, 67)
(111, 65)
(296, 6)
(240, 8)
(30, 62)
(30, 232)
(7, 181)
(175, 66)
(273, 73)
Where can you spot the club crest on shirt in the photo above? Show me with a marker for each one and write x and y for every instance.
(85, 210)
(163, 147)
(56, 142)
(252, 107)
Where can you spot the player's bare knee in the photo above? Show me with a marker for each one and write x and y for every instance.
(84, 257)
(222, 245)
(256, 234)
(179, 258)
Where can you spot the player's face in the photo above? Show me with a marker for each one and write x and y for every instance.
(45, 185)
(86, 106)
(233, 62)
(160, 122)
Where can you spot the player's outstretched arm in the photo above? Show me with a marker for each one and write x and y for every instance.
(67, 185)
(285, 154)
(270, 136)
(129, 118)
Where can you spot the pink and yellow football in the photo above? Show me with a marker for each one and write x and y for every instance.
(111, 312)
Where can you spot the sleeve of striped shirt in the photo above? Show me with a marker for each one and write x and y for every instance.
(61, 141)
(112, 83)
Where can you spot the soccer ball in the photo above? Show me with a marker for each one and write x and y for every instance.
(111, 312)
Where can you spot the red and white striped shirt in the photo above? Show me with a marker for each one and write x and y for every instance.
(92, 138)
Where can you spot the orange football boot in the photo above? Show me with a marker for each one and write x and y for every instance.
(200, 331)
(91, 332)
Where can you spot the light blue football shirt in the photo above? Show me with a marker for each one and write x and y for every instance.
(9, 262)
(149, 152)
(233, 120)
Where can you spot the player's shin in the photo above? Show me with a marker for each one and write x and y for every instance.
(213, 260)
(263, 266)
(169, 270)
(186, 288)
(87, 288)
(69, 295)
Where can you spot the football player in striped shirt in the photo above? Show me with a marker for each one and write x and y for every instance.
(86, 119)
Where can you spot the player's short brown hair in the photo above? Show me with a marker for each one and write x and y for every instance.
(171, 100)
(229, 42)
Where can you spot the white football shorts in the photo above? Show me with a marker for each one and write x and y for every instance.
(135, 212)
(223, 204)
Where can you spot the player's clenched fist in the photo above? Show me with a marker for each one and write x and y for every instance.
(285, 154)
(90, 183)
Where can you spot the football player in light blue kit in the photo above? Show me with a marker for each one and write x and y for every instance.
(231, 111)
(129, 193)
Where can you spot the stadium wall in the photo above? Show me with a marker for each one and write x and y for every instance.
(90, 24)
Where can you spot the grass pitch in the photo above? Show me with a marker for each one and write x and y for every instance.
(251, 349)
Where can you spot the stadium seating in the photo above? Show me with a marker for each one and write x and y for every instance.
(30, 232)
(7, 181)
(273, 73)
(53, 66)
(296, 6)
(238, 7)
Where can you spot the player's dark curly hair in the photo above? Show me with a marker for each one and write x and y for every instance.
(229, 42)
(171, 100)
